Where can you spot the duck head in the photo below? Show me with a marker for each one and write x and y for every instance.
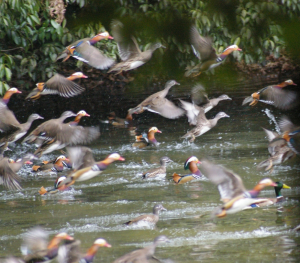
(222, 115)
(83, 113)
(192, 159)
(225, 97)
(101, 242)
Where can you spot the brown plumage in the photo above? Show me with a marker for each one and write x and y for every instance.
(151, 218)
(142, 255)
(58, 84)
(157, 103)
(274, 95)
(8, 120)
(154, 172)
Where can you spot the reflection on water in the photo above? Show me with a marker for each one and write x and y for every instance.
(100, 207)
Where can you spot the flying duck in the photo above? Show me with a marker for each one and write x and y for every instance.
(203, 50)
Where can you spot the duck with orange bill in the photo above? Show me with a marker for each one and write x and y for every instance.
(204, 51)
(190, 164)
(146, 139)
(89, 172)
(8, 120)
(275, 95)
(56, 167)
(232, 191)
(58, 84)
(91, 41)
(57, 187)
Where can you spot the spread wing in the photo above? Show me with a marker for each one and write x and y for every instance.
(229, 184)
(282, 99)
(8, 178)
(80, 157)
(7, 118)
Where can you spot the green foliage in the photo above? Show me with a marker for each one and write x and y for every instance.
(33, 34)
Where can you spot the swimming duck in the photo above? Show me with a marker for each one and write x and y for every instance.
(145, 140)
(151, 218)
(70, 252)
(203, 125)
(203, 50)
(56, 167)
(278, 149)
(20, 132)
(90, 171)
(274, 95)
(157, 103)
(58, 187)
(58, 84)
(232, 191)
(270, 201)
(142, 255)
(91, 41)
(117, 121)
(160, 171)
(8, 120)
(36, 248)
(89, 54)
(191, 164)
(291, 134)
(131, 55)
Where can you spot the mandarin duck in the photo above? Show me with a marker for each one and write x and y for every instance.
(232, 191)
(190, 164)
(203, 50)
(148, 139)
(70, 252)
(56, 167)
(8, 120)
(78, 117)
(35, 247)
(157, 103)
(274, 95)
(90, 171)
(270, 201)
(84, 51)
(291, 134)
(58, 84)
(203, 125)
(278, 149)
(131, 55)
(160, 171)
(142, 255)
(20, 132)
(17, 165)
(57, 187)
(117, 121)
(91, 41)
(150, 218)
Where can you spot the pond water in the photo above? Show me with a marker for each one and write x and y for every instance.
(99, 207)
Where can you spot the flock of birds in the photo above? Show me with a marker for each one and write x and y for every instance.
(56, 134)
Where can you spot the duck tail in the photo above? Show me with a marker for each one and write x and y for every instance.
(128, 223)
(42, 191)
(266, 163)
(176, 178)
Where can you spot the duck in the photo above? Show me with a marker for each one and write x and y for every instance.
(160, 171)
(203, 50)
(190, 164)
(131, 55)
(157, 103)
(84, 51)
(8, 178)
(89, 172)
(56, 167)
(91, 41)
(117, 121)
(17, 165)
(148, 139)
(20, 132)
(70, 252)
(8, 120)
(203, 125)
(231, 188)
(79, 115)
(143, 254)
(80, 157)
(274, 95)
(270, 201)
(291, 134)
(58, 84)
(57, 187)
(150, 218)
(56, 134)
(278, 149)
(35, 247)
